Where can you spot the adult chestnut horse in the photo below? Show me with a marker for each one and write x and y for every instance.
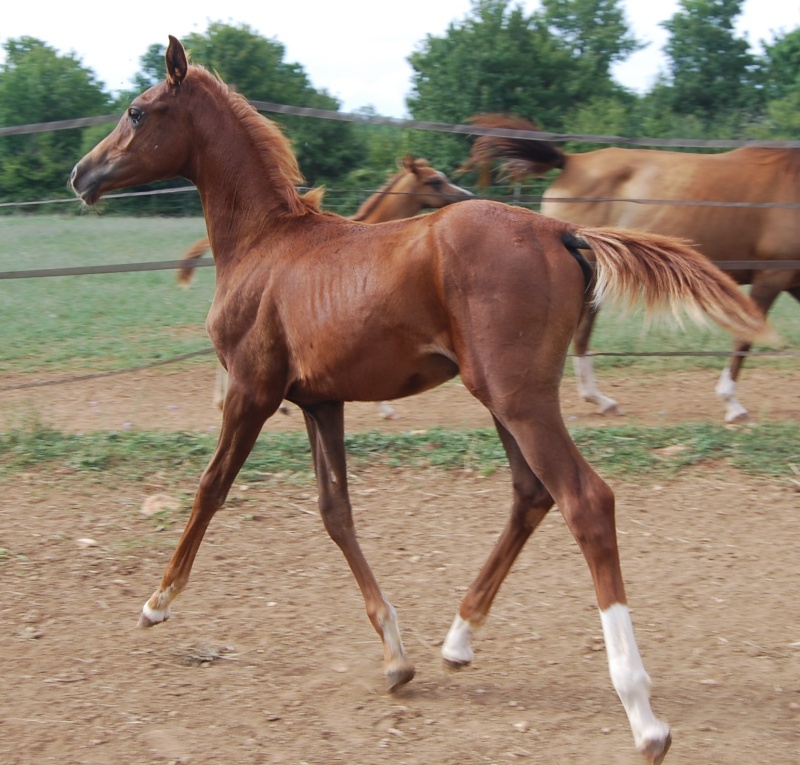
(320, 310)
(415, 187)
(749, 230)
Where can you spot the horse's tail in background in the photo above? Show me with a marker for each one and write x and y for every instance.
(185, 273)
(667, 274)
(521, 157)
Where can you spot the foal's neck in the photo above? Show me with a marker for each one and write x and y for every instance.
(246, 182)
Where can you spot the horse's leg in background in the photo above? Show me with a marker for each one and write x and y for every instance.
(587, 504)
(242, 419)
(584, 372)
(386, 410)
(529, 506)
(220, 387)
(764, 292)
(325, 425)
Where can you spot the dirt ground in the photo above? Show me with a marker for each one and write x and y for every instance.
(269, 657)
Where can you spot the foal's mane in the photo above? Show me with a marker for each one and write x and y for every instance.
(274, 148)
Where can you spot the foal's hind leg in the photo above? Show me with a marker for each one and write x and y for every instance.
(530, 505)
(325, 424)
(587, 504)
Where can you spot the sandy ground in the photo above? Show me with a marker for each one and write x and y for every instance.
(180, 399)
(269, 657)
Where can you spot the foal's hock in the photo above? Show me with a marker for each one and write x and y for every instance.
(321, 310)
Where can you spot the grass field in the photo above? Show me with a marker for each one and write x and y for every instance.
(108, 321)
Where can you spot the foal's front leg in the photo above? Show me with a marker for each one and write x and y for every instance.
(325, 425)
(242, 420)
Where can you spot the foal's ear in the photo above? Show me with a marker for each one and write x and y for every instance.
(177, 63)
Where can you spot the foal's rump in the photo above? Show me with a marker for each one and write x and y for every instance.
(541, 254)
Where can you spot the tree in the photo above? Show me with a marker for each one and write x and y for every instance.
(596, 31)
(498, 59)
(780, 65)
(711, 71)
(39, 85)
(255, 66)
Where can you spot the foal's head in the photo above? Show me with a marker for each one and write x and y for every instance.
(147, 144)
(185, 126)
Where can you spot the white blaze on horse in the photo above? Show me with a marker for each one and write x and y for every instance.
(415, 187)
(320, 310)
(750, 180)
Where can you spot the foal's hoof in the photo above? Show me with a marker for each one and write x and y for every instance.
(396, 678)
(150, 617)
(455, 664)
(655, 751)
(739, 418)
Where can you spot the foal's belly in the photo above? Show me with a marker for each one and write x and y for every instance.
(381, 379)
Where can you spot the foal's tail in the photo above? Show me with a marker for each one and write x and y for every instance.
(185, 273)
(666, 274)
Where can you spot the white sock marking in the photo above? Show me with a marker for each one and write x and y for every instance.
(726, 390)
(629, 677)
(587, 387)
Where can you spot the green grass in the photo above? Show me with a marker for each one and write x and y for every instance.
(103, 321)
(768, 450)
(111, 321)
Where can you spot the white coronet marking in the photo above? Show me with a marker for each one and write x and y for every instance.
(456, 647)
(629, 677)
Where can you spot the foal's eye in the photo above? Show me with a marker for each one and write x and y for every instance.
(135, 114)
(435, 184)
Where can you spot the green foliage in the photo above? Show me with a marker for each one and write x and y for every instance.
(326, 149)
(551, 66)
(711, 69)
(780, 66)
(38, 85)
(543, 66)
(595, 30)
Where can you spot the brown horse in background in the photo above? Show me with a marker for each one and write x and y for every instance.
(415, 187)
(320, 310)
(611, 178)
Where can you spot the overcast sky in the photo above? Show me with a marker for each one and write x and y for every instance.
(355, 49)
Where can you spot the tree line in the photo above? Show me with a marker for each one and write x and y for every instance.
(553, 66)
